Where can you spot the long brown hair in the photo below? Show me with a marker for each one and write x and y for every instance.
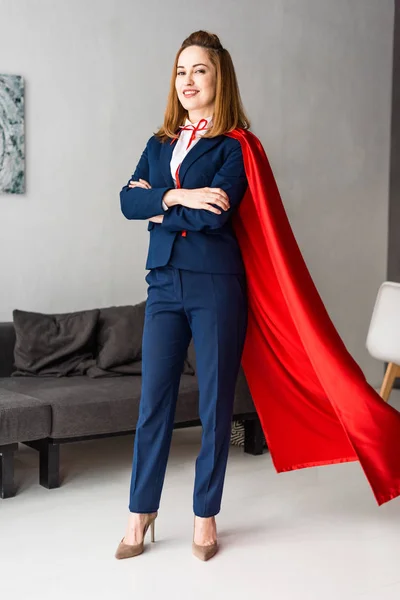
(228, 111)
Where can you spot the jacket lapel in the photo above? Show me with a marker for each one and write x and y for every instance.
(201, 147)
(165, 160)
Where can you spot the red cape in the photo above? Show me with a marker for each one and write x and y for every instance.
(314, 403)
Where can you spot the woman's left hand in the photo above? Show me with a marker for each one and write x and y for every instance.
(141, 183)
(157, 219)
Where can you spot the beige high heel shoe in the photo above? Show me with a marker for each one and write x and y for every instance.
(129, 551)
(204, 552)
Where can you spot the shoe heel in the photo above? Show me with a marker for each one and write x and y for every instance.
(153, 531)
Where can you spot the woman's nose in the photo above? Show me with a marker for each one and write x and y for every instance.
(189, 79)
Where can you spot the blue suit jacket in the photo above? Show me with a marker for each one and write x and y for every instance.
(210, 245)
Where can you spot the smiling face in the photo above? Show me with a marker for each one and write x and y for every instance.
(195, 83)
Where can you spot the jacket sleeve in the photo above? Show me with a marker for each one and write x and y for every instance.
(138, 203)
(232, 179)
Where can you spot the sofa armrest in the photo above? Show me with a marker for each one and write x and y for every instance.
(7, 343)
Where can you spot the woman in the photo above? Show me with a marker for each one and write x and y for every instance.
(208, 191)
(188, 183)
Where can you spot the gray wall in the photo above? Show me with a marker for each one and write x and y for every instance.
(316, 79)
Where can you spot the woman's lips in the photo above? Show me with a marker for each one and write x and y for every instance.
(190, 94)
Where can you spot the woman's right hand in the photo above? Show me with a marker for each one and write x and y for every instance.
(201, 198)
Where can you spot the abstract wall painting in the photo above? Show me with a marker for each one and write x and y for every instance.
(12, 134)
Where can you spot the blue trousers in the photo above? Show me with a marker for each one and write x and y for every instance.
(213, 309)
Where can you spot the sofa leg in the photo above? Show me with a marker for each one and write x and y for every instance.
(7, 486)
(50, 466)
(254, 440)
(49, 462)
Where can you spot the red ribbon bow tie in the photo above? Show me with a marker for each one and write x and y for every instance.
(201, 126)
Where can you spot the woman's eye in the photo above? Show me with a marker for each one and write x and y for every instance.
(202, 71)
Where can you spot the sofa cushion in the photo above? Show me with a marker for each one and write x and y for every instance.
(119, 342)
(54, 345)
(119, 335)
(23, 418)
(82, 406)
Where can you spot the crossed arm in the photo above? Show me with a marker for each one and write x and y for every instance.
(192, 210)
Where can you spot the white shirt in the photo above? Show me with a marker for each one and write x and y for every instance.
(181, 149)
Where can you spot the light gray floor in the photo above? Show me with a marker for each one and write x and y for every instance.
(305, 535)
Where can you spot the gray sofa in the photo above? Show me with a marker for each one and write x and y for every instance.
(46, 412)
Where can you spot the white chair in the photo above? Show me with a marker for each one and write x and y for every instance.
(383, 339)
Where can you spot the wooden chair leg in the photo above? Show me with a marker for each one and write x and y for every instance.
(392, 372)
